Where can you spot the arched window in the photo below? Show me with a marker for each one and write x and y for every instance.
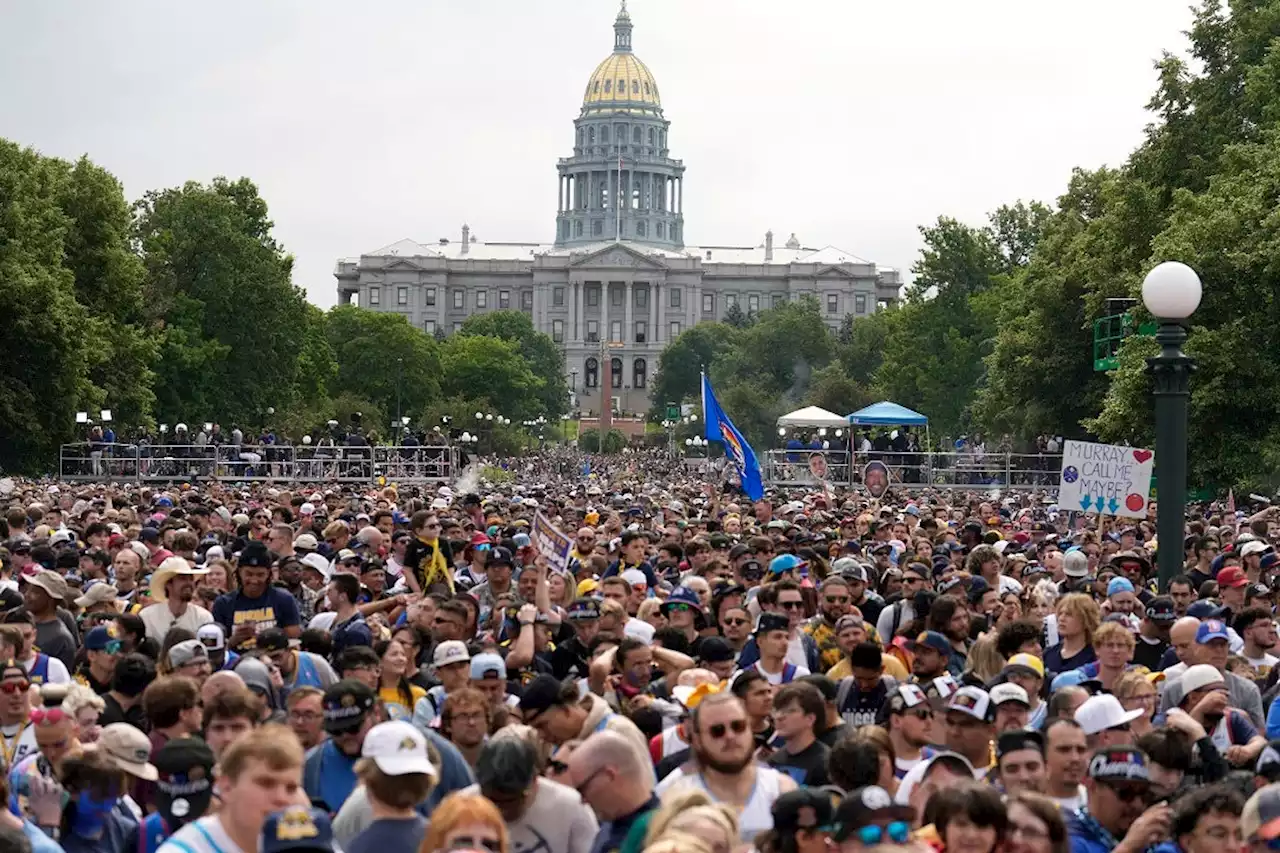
(622, 87)
(635, 87)
(597, 228)
(662, 139)
(608, 85)
(615, 365)
(591, 135)
(577, 228)
(580, 137)
(646, 88)
(635, 135)
(653, 137)
(640, 229)
(591, 373)
(658, 229)
(638, 371)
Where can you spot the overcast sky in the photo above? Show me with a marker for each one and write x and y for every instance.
(848, 122)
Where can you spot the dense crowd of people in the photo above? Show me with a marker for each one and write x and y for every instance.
(214, 668)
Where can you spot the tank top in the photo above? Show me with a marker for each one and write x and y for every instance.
(40, 671)
(757, 815)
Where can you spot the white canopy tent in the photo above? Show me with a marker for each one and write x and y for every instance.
(813, 416)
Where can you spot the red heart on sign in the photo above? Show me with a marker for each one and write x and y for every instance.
(1134, 502)
(1142, 455)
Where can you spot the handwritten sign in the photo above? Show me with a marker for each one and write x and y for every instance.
(551, 543)
(1105, 478)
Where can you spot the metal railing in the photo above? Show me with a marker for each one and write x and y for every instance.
(304, 463)
(1027, 471)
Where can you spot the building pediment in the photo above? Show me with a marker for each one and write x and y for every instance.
(617, 256)
(834, 272)
(401, 264)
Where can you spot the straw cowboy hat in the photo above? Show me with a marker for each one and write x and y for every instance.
(169, 569)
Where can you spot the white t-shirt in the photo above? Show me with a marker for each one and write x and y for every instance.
(775, 678)
(158, 619)
(1262, 666)
(795, 653)
(18, 743)
(205, 835)
(322, 621)
(1070, 803)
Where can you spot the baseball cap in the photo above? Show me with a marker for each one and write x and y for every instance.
(398, 748)
(129, 749)
(99, 639)
(1075, 564)
(184, 779)
(345, 705)
(317, 563)
(296, 829)
(1161, 610)
(1252, 547)
(273, 640)
(255, 555)
(1196, 677)
(542, 693)
(803, 808)
(1019, 739)
(212, 636)
(1024, 664)
(583, 609)
(450, 651)
(933, 640)
(1007, 692)
(973, 701)
(1119, 764)
(1119, 585)
(941, 688)
(488, 665)
(772, 622)
(715, 650)
(863, 807)
(1261, 816)
(1212, 629)
(906, 696)
(1232, 577)
(1102, 712)
(188, 651)
(305, 542)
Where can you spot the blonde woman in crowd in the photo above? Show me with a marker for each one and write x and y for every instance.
(689, 811)
(1135, 691)
(984, 660)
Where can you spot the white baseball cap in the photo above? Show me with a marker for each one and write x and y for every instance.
(317, 562)
(397, 748)
(1099, 713)
(450, 651)
(1009, 692)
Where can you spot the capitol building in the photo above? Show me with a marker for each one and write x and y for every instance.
(619, 281)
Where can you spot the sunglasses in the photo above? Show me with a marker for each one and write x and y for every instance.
(719, 730)
(791, 605)
(898, 831)
(735, 622)
(837, 599)
(922, 714)
(52, 716)
(485, 546)
(1128, 795)
(12, 687)
(678, 607)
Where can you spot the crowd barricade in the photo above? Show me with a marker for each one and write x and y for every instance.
(246, 463)
(1017, 471)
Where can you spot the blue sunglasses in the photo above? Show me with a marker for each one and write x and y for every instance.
(898, 831)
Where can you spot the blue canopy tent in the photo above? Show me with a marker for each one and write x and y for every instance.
(886, 413)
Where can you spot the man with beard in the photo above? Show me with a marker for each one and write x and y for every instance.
(950, 618)
(289, 570)
(173, 588)
(46, 592)
(834, 598)
(932, 651)
(329, 774)
(724, 765)
(910, 725)
(257, 605)
(1116, 816)
(1065, 757)
(297, 668)
(1020, 761)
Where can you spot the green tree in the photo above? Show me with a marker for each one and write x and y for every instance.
(545, 359)
(614, 441)
(380, 357)
(220, 287)
(863, 353)
(490, 369)
(44, 348)
(682, 361)
(834, 390)
(736, 317)
(109, 279)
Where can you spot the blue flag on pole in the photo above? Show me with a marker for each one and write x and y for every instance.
(720, 428)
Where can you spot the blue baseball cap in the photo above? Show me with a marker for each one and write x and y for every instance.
(933, 640)
(1212, 629)
(1204, 609)
(296, 828)
(488, 665)
(1119, 585)
(785, 563)
(682, 595)
(97, 639)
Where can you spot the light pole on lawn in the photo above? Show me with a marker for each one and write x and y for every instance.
(1171, 293)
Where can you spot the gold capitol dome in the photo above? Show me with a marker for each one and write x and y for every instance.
(622, 83)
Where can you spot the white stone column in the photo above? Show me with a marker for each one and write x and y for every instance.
(627, 336)
(655, 296)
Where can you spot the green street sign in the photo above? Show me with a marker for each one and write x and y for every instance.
(673, 412)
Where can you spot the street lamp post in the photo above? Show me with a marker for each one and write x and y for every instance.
(1171, 293)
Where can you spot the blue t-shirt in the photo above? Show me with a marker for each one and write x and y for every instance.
(276, 608)
(1055, 663)
(119, 835)
(40, 843)
(353, 632)
(390, 834)
(329, 776)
